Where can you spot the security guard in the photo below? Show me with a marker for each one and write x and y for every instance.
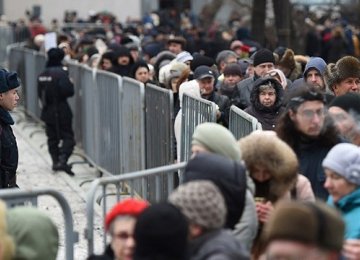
(54, 87)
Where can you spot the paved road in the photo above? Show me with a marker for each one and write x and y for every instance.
(34, 171)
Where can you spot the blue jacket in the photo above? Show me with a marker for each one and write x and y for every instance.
(349, 207)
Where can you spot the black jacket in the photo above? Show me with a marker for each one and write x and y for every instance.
(223, 103)
(9, 151)
(54, 87)
(108, 255)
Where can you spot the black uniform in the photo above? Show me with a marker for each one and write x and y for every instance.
(54, 87)
(9, 151)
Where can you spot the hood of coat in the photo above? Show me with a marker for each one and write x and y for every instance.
(267, 150)
(255, 92)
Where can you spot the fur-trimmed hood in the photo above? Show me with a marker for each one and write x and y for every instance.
(346, 67)
(264, 148)
(254, 95)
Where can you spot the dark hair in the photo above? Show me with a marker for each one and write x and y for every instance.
(137, 65)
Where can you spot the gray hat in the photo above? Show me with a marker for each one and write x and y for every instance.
(201, 202)
(344, 159)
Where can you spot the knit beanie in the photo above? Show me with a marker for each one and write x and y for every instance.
(263, 56)
(208, 136)
(344, 159)
(233, 69)
(183, 57)
(310, 223)
(8, 80)
(201, 202)
(35, 235)
(346, 67)
(161, 232)
(350, 102)
(127, 207)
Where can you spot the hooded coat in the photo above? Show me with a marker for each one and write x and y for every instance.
(267, 116)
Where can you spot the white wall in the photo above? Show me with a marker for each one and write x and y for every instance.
(15, 9)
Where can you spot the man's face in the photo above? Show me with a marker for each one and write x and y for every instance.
(314, 78)
(261, 69)
(206, 86)
(347, 85)
(232, 80)
(175, 48)
(267, 97)
(309, 118)
(9, 99)
(122, 238)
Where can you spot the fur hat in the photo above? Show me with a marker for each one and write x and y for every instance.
(8, 80)
(286, 60)
(344, 68)
(233, 69)
(201, 202)
(261, 149)
(310, 223)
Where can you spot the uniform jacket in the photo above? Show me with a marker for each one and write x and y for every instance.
(215, 245)
(54, 87)
(349, 207)
(9, 151)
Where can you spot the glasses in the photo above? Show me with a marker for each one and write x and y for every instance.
(309, 114)
(123, 236)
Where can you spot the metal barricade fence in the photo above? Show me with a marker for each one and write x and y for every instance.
(103, 184)
(76, 102)
(241, 123)
(108, 94)
(194, 112)
(89, 116)
(133, 137)
(159, 136)
(6, 38)
(15, 197)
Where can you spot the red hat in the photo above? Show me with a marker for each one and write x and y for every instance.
(128, 207)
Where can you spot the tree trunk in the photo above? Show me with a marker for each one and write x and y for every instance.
(282, 21)
(258, 21)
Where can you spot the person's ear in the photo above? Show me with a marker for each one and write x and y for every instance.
(292, 114)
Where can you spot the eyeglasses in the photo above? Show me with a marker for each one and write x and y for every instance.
(123, 236)
(309, 114)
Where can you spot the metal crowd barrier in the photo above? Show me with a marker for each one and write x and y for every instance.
(194, 112)
(103, 184)
(16, 197)
(6, 38)
(241, 123)
(159, 135)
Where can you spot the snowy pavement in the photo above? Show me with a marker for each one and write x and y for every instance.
(35, 172)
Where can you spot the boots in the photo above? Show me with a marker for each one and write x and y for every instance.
(62, 165)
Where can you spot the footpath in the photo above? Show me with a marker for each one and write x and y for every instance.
(34, 172)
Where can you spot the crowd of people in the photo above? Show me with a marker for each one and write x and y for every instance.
(260, 197)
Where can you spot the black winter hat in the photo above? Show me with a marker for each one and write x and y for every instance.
(228, 175)
(8, 80)
(55, 57)
(199, 60)
(349, 102)
(161, 232)
(263, 56)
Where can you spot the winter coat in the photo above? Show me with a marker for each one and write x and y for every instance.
(223, 103)
(232, 93)
(9, 151)
(302, 190)
(215, 245)
(267, 116)
(54, 87)
(245, 86)
(349, 207)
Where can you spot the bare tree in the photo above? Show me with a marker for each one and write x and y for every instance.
(258, 20)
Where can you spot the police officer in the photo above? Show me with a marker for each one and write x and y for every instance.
(9, 82)
(54, 87)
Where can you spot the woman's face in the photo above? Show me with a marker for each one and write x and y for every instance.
(260, 173)
(142, 74)
(337, 186)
